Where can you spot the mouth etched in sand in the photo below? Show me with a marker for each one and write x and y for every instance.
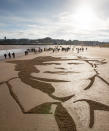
(35, 73)
(60, 72)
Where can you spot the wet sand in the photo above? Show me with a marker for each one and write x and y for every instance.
(61, 91)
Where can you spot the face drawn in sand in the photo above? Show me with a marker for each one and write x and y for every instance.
(26, 68)
(39, 75)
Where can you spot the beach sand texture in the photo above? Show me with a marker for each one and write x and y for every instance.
(60, 91)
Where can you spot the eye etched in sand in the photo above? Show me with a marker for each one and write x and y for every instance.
(61, 79)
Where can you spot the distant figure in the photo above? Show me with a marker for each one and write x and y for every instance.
(5, 55)
(82, 49)
(9, 54)
(44, 49)
(53, 50)
(34, 50)
(77, 50)
(5, 38)
(26, 52)
(13, 54)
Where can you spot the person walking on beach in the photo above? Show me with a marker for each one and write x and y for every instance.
(5, 55)
(9, 54)
(26, 52)
(13, 54)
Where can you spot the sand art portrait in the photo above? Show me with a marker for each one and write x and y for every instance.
(64, 84)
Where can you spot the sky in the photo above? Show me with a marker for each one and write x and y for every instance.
(58, 19)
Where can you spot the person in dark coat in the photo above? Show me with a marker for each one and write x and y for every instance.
(13, 54)
(9, 54)
(5, 55)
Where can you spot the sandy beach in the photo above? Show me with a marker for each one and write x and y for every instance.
(55, 91)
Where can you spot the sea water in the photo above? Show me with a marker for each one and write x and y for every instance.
(19, 51)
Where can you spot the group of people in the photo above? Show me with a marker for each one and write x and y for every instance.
(53, 49)
(9, 55)
(65, 49)
(80, 49)
(39, 50)
(57, 49)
